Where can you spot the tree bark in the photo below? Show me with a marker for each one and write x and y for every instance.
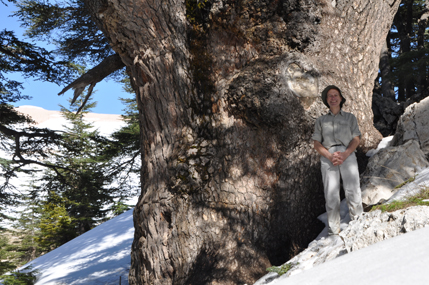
(423, 23)
(227, 99)
(385, 70)
(404, 22)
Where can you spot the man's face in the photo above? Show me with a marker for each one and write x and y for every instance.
(333, 98)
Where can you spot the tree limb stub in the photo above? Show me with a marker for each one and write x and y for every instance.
(93, 76)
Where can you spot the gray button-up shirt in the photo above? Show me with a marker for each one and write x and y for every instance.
(337, 129)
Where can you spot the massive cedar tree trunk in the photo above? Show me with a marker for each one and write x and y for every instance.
(228, 100)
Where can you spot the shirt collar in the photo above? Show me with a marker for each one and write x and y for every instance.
(341, 112)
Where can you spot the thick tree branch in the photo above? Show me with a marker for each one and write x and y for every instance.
(42, 133)
(93, 76)
(46, 136)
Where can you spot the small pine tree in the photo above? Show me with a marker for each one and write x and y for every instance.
(56, 225)
(17, 245)
(28, 225)
(82, 181)
(80, 190)
(129, 136)
(19, 278)
(119, 208)
(6, 254)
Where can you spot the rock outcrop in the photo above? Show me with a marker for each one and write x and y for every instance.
(377, 226)
(407, 154)
(420, 182)
(368, 229)
(389, 168)
(414, 125)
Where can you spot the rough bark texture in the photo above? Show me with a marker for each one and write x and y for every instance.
(228, 100)
(385, 69)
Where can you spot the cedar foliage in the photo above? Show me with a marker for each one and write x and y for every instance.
(408, 44)
(67, 26)
(76, 192)
(80, 189)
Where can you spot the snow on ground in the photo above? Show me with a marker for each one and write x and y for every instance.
(391, 261)
(384, 143)
(99, 256)
(400, 260)
(102, 256)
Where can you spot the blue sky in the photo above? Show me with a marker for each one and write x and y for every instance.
(44, 94)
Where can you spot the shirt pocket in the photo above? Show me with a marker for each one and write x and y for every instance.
(344, 125)
(344, 131)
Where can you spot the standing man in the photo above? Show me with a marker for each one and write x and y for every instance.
(336, 136)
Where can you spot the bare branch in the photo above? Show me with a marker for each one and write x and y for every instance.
(93, 76)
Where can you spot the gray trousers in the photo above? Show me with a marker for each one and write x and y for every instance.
(349, 173)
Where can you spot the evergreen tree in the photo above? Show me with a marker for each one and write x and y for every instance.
(81, 163)
(24, 145)
(6, 253)
(28, 224)
(56, 225)
(66, 24)
(19, 278)
(24, 247)
(82, 185)
(408, 49)
(71, 27)
(78, 194)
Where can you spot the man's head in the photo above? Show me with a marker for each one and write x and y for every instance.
(325, 95)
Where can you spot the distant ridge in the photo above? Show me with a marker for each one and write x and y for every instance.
(41, 115)
(106, 124)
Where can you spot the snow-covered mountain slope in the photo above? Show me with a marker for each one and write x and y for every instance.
(99, 256)
(106, 124)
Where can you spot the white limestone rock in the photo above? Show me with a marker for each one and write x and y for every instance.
(390, 167)
(368, 229)
(377, 226)
(414, 125)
